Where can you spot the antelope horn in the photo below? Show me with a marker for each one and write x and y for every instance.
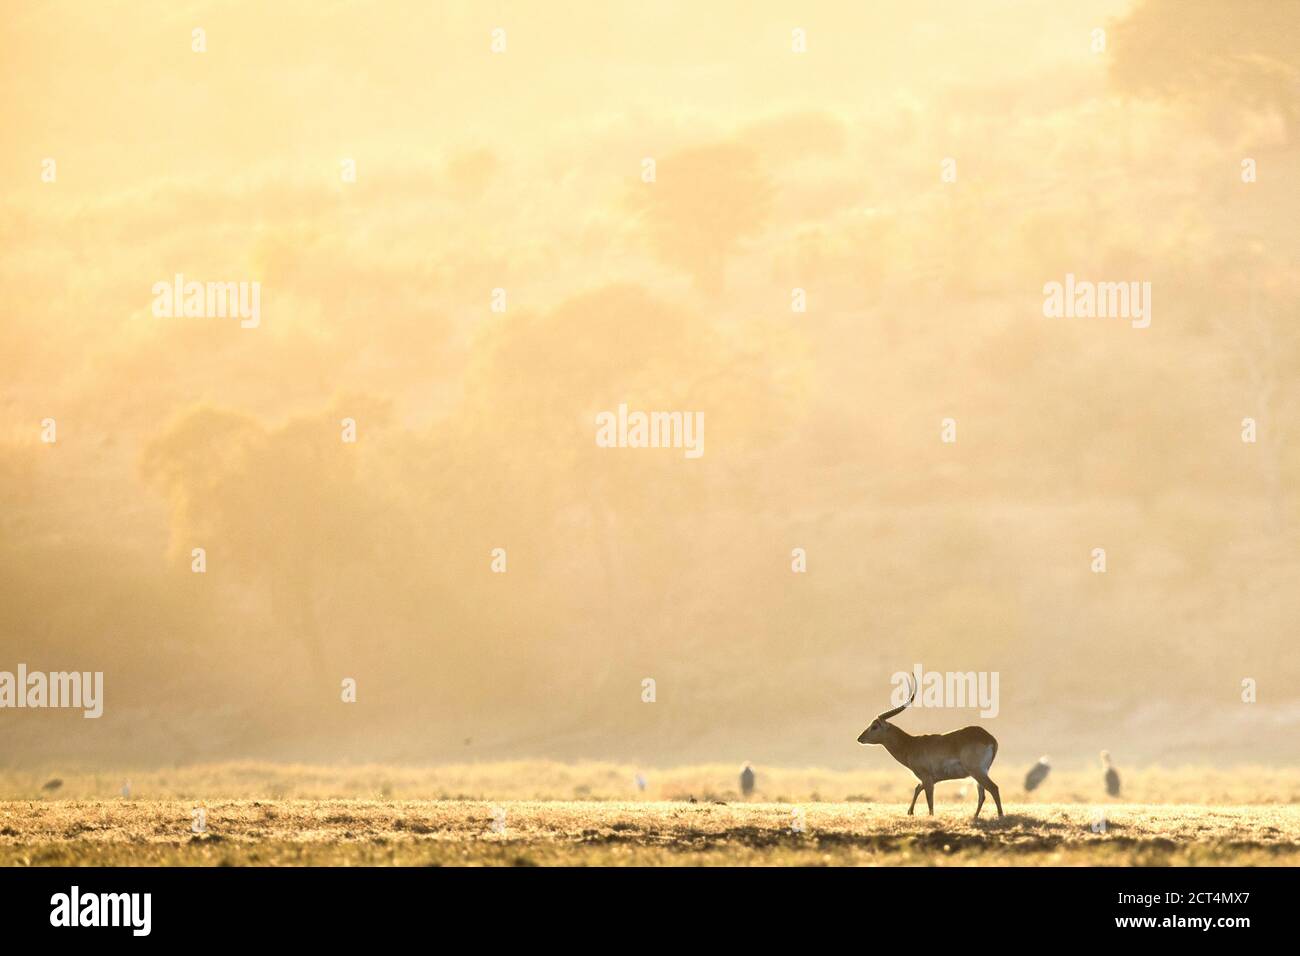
(898, 710)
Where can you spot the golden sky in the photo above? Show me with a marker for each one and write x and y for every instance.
(522, 170)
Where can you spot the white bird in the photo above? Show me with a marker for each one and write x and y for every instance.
(746, 780)
(1037, 773)
(640, 781)
(126, 790)
(1112, 778)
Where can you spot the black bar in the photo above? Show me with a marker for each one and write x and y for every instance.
(326, 906)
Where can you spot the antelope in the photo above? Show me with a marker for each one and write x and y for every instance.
(968, 752)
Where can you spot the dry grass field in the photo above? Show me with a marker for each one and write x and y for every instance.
(539, 813)
(363, 832)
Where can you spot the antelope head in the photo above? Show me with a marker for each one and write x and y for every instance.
(875, 734)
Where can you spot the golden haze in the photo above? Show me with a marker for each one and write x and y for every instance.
(523, 171)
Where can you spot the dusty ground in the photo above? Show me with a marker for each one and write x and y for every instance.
(594, 813)
(878, 781)
(360, 832)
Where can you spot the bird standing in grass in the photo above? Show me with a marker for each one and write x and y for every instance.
(746, 780)
(1112, 778)
(1037, 773)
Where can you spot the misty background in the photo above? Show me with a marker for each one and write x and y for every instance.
(522, 171)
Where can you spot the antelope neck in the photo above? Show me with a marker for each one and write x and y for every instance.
(896, 741)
